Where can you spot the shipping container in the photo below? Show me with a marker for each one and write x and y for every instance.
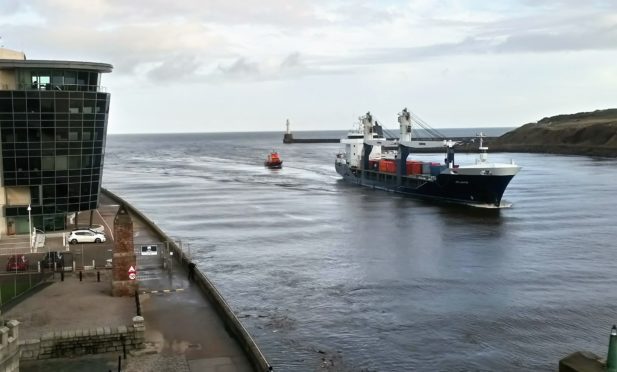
(414, 167)
(436, 169)
(387, 166)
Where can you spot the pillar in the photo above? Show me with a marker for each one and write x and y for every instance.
(123, 257)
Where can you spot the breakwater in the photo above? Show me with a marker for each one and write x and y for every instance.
(289, 138)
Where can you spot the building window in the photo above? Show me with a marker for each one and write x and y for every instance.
(74, 162)
(61, 163)
(48, 163)
(75, 106)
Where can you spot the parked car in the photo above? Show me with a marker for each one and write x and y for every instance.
(17, 262)
(96, 228)
(52, 257)
(86, 236)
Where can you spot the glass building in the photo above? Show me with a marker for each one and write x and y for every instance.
(53, 124)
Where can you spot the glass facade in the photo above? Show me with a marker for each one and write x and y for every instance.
(52, 134)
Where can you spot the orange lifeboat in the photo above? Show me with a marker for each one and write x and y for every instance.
(273, 161)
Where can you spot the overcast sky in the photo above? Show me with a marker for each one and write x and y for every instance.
(231, 65)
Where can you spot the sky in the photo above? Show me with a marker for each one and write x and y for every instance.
(231, 65)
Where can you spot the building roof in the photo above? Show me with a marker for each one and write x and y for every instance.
(50, 64)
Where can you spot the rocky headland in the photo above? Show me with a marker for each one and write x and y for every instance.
(584, 133)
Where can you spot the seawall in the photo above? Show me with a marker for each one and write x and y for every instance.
(289, 138)
(232, 323)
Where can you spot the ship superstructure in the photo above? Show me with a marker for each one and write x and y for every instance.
(370, 159)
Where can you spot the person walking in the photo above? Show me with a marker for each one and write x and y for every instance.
(191, 271)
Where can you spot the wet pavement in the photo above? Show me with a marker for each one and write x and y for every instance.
(183, 330)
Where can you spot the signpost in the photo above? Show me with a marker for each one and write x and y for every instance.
(149, 250)
(132, 273)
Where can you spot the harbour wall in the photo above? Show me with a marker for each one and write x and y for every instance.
(231, 321)
(72, 343)
(9, 346)
(289, 138)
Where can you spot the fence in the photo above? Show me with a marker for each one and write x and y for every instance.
(12, 286)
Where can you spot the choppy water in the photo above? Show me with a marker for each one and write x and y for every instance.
(325, 273)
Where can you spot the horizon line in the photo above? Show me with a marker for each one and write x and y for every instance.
(295, 131)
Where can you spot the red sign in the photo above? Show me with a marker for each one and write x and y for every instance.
(132, 273)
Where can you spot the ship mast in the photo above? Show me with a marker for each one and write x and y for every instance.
(404, 119)
(367, 126)
(483, 149)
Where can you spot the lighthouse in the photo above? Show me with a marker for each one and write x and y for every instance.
(288, 137)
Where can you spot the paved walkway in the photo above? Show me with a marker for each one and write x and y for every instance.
(181, 325)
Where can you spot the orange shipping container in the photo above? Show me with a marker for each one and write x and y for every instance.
(388, 166)
(382, 165)
(392, 167)
(414, 167)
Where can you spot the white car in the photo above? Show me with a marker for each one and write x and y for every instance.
(85, 236)
(95, 228)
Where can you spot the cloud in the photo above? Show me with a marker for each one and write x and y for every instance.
(211, 11)
(549, 33)
(290, 66)
(211, 39)
(178, 67)
(241, 67)
(291, 62)
(598, 39)
(12, 7)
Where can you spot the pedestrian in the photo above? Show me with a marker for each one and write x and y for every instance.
(191, 271)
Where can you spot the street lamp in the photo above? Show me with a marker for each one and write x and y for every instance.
(30, 226)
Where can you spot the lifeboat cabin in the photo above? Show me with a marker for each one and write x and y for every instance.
(273, 161)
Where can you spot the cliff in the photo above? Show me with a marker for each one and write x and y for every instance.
(585, 133)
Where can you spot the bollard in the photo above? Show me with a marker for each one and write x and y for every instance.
(119, 363)
(123, 346)
(62, 275)
(80, 276)
(611, 358)
(98, 278)
(137, 303)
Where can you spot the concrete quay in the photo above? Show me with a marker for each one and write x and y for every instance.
(188, 325)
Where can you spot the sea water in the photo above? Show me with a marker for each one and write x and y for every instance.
(331, 276)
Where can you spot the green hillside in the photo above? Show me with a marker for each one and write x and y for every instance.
(583, 133)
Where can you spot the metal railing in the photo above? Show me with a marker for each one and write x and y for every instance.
(14, 285)
(62, 87)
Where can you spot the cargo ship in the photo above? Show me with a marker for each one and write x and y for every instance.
(371, 160)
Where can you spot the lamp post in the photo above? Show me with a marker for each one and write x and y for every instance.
(30, 225)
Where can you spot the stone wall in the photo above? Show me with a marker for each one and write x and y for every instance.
(9, 349)
(61, 344)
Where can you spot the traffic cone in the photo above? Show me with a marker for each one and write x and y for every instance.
(611, 358)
